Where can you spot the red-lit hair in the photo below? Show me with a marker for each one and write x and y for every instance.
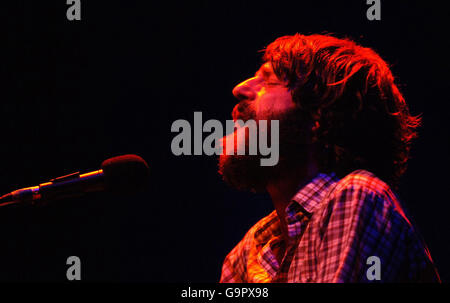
(364, 121)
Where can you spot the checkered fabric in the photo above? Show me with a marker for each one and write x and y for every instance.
(335, 226)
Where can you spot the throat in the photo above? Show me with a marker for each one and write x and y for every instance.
(281, 197)
(282, 191)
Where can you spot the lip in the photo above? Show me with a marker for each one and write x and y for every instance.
(236, 117)
(240, 109)
(235, 113)
(242, 112)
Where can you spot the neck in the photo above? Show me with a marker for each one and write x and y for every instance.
(282, 190)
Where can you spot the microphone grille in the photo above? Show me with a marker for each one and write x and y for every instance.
(126, 173)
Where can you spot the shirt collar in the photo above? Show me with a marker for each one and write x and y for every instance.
(310, 195)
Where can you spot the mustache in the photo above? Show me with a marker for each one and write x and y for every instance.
(243, 111)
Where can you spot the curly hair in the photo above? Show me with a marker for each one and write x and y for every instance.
(348, 92)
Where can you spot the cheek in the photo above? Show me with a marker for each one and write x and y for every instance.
(275, 103)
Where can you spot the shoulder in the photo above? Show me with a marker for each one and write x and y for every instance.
(363, 192)
(363, 180)
(259, 232)
(234, 268)
(362, 185)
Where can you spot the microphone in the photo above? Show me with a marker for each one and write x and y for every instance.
(122, 174)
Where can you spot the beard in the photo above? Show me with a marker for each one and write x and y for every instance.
(244, 172)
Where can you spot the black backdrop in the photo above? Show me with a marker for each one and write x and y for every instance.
(75, 93)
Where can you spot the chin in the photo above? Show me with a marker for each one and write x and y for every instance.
(243, 172)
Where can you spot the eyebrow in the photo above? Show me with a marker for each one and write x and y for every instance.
(265, 71)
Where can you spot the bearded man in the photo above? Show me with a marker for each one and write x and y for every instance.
(344, 140)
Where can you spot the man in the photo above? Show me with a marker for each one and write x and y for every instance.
(344, 139)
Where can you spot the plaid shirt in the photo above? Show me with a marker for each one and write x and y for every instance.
(335, 225)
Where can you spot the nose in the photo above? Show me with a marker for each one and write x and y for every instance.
(245, 90)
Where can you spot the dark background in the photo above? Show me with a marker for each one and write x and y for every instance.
(75, 93)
